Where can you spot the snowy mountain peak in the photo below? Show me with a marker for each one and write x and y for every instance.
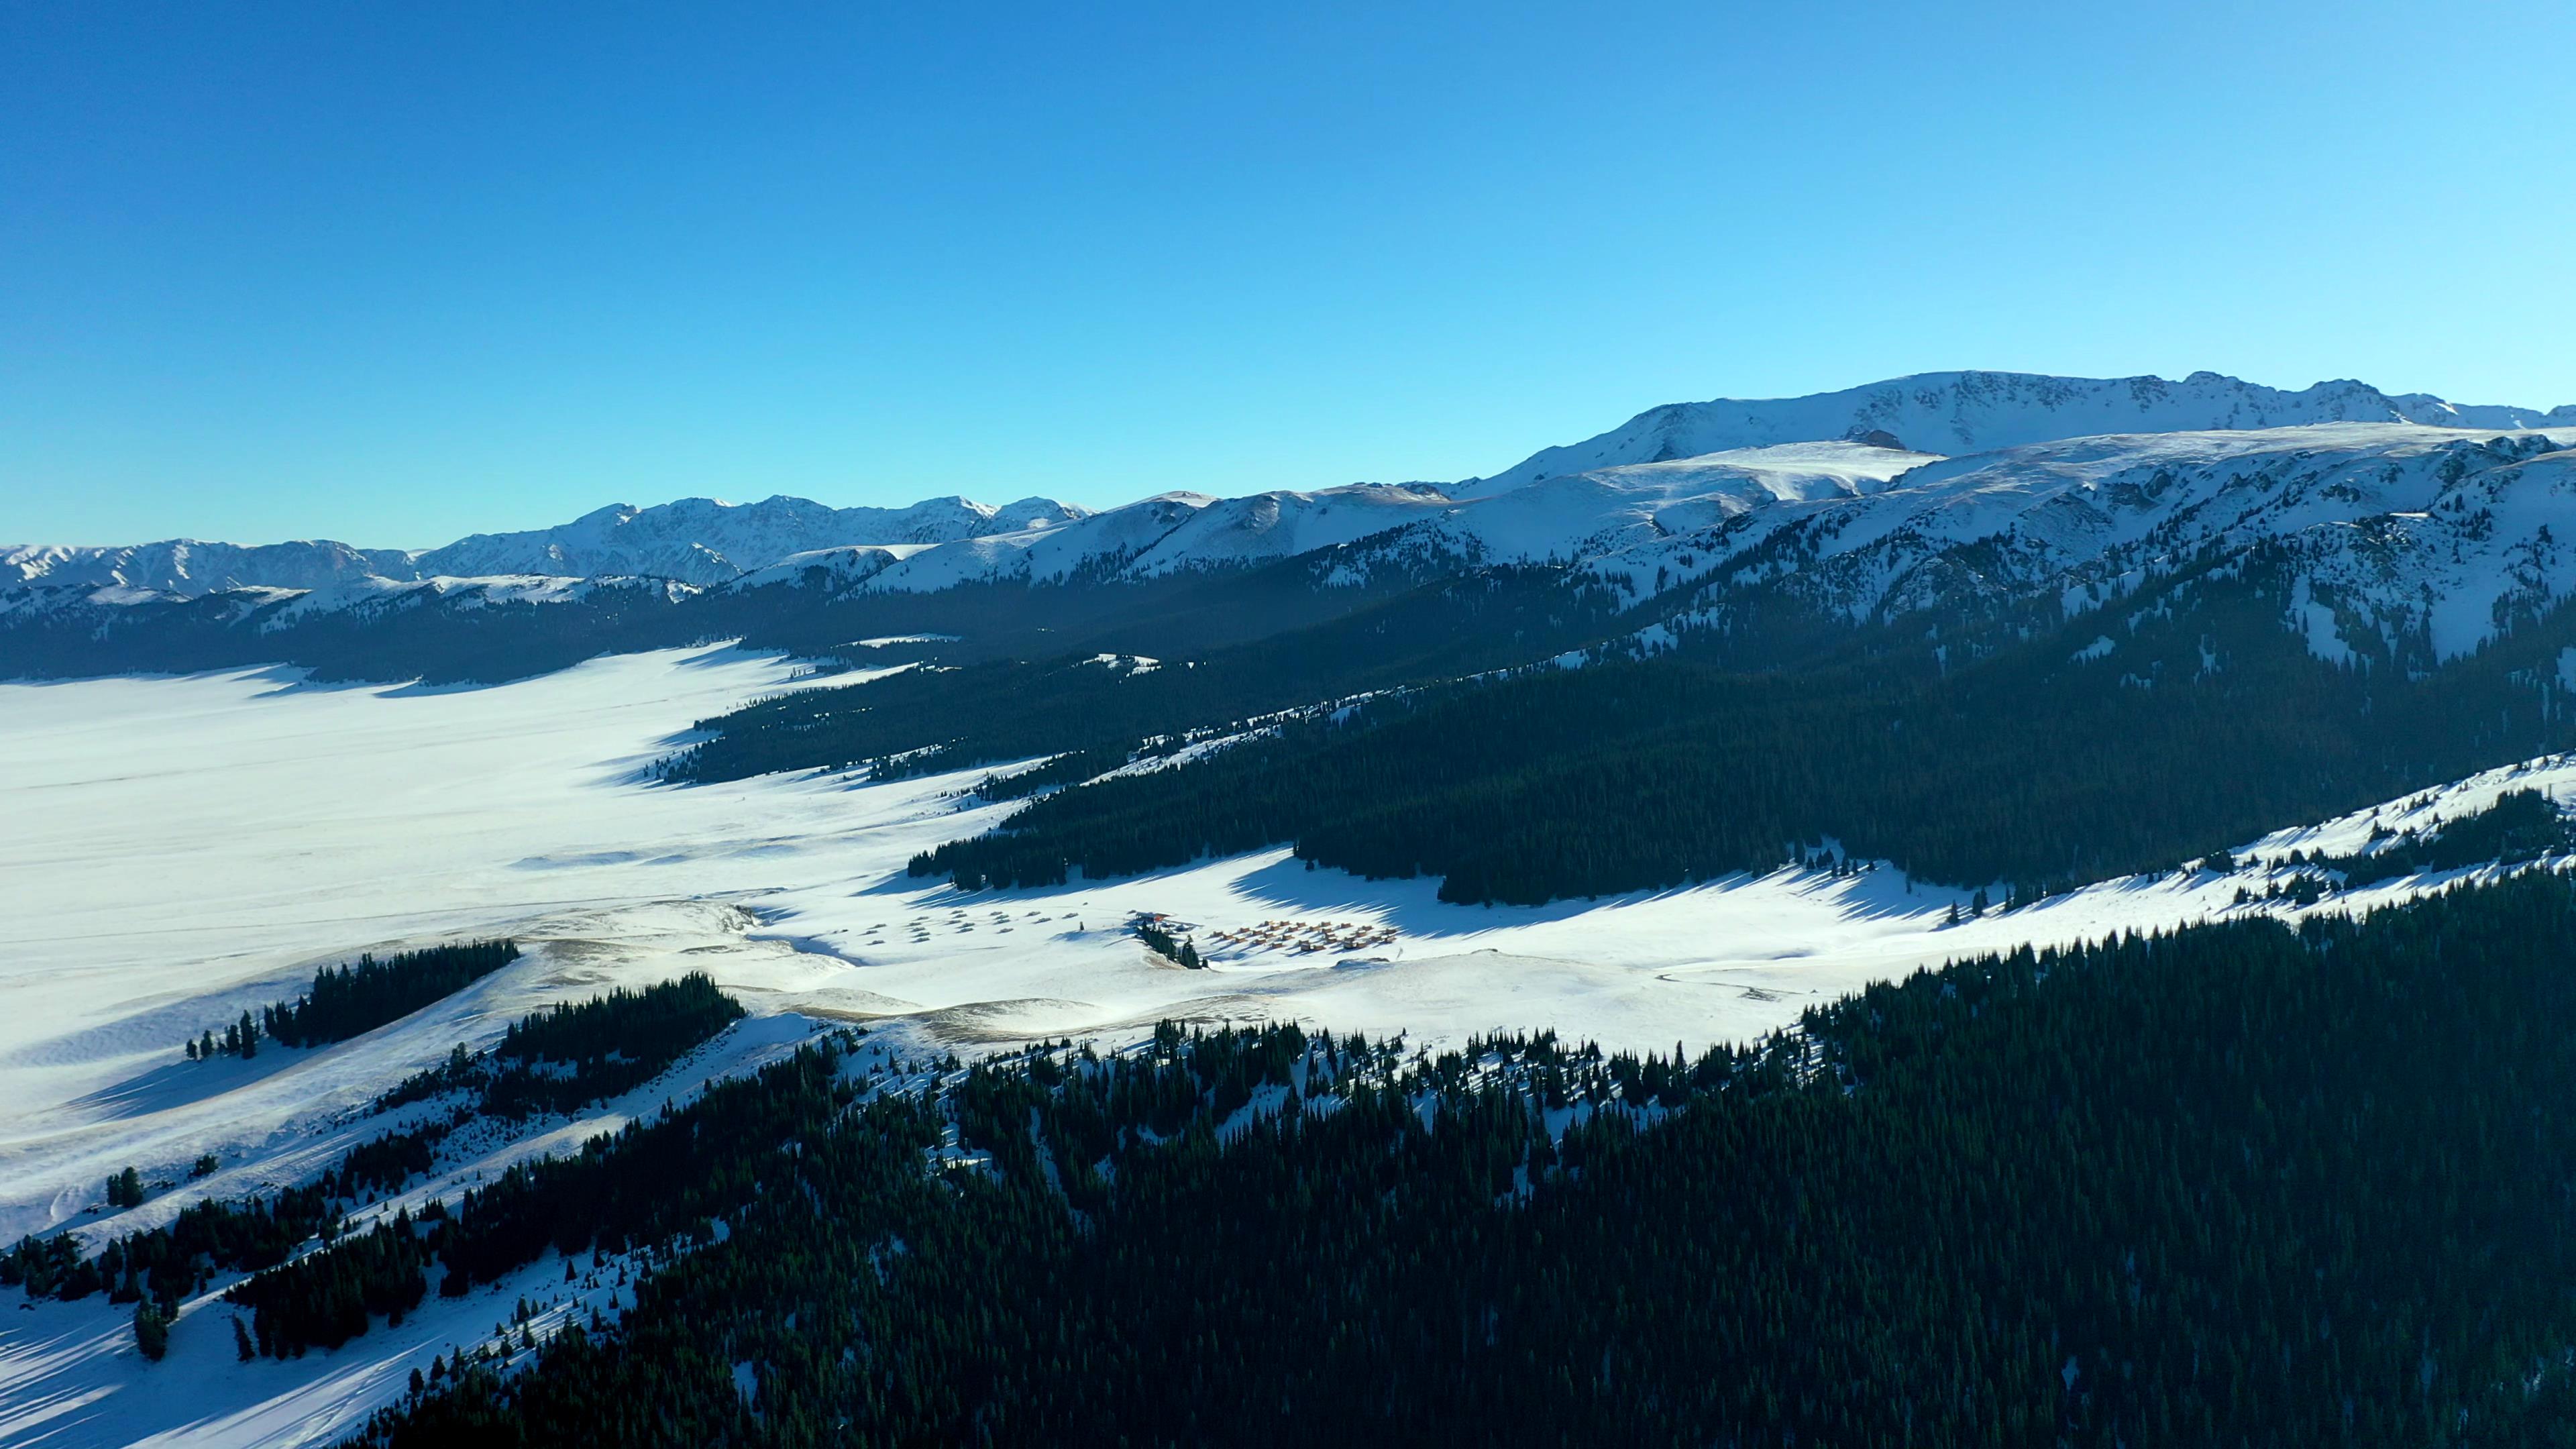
(2400, 535)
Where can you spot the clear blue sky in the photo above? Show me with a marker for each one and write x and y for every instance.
(392, 274)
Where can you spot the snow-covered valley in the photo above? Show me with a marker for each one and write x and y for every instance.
(183, 848)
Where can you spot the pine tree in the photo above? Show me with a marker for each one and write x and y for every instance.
(151, 1331)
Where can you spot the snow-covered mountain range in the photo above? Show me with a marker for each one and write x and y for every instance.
(696, 541)
(2397, 533)
(1973, 412)
(187, 567)
(2408, 516)
(701, 541)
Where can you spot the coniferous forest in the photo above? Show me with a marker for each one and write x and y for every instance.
(354, 999)
(2021, 767)
(2238, 1183)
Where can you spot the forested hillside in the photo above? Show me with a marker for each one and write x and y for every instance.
(2046, 763)
(991, 710)
(2236, 1184)
(554, 1061)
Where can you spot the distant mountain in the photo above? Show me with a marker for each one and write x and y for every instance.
(1668, 470)
(1090, 546)
(697, 541)
(1413, 526)
(1168, 534)
(2417, 528)
(187, 567)
(1976, 412)
(701, 541)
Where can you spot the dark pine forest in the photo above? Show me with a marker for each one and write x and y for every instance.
(2024, 767)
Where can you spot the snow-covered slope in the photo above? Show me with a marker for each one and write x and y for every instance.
(1166, 534)
(1579, 516)
(1097, 545)
(1743, 478)
(382, 595)
(833, 568)
(1561, 520)
(2400, 530)
(1280, 525)
(1970, 412)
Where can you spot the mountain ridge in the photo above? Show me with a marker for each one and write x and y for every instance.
(707, 543)
(1974, 412)
(2407, 540)
(696, 541)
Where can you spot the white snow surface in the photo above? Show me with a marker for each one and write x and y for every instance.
(183, 848)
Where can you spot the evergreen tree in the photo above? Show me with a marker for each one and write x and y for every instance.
(151, 1331)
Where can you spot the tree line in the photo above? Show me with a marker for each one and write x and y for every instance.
(352, 999)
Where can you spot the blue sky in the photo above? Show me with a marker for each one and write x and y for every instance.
(346, 271)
